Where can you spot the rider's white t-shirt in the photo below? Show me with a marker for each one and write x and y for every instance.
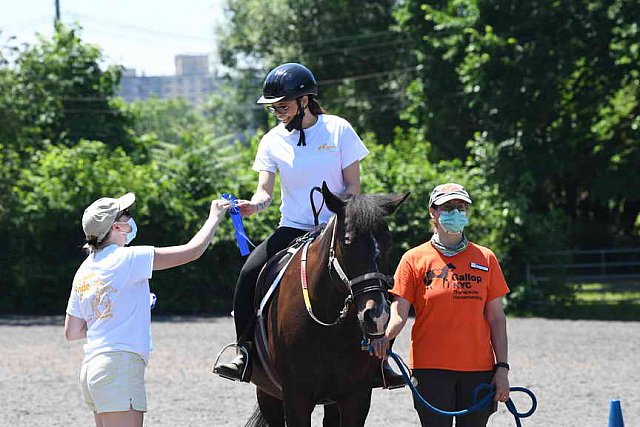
(111, 293)
(332, 145)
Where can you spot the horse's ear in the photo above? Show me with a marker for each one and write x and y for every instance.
(334, 204)
(392, 204)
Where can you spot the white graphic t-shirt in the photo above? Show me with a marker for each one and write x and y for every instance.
(111, 293)
(332, 145)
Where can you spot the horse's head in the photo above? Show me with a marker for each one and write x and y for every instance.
(359, 253)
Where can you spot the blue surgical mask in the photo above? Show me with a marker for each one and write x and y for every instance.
(453, 221)
(134, 230)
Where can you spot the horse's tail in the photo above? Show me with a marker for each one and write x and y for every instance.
(257, 419)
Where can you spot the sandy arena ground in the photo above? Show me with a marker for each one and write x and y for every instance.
(574, 367)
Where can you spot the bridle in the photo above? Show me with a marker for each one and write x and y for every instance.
(382, 282)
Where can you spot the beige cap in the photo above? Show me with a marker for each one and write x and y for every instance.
(101, 214)
(449, 191)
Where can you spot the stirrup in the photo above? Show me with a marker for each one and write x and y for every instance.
(244, 351)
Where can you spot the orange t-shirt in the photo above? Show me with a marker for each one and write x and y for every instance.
(449, 295)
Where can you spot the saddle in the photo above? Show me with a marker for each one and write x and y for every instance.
(267, 284)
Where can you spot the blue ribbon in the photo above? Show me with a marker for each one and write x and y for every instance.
(236, 219)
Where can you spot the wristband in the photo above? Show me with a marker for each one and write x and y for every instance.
(501, 365)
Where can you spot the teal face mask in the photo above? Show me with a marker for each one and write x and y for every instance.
(453, 221)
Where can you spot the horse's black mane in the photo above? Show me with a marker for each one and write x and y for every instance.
(364, 212)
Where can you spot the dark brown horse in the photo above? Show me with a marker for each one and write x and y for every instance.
(312, 342)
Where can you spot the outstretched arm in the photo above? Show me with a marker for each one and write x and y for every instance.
(262, 197)
(174, 256)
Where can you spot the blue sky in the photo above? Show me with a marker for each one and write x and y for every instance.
(140, 34)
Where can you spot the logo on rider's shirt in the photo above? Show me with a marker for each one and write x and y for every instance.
(327, 147)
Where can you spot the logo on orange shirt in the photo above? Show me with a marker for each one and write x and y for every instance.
(438, 273)
(462, 285)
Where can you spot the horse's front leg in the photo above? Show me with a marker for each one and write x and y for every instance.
(355, 408)
(331, 416)
(297, 407)
(271, 409)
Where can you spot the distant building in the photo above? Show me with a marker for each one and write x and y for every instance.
(192, 81)
(192, 65)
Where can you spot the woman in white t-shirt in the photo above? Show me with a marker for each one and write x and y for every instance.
(307, 147)
(109, 305)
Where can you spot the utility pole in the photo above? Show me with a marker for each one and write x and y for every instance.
(57, 14)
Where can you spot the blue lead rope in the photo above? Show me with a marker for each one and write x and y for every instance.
(478, 405)
(236, 219)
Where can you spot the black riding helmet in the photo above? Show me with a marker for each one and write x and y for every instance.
(288, 81)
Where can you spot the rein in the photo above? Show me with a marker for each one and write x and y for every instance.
(305, 293)
(316, 213)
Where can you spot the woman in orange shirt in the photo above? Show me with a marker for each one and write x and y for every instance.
(459, 338)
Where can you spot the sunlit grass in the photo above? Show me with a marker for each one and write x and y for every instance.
(610, 293)
(605, 301)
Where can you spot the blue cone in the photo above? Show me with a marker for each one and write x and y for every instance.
(615, 414)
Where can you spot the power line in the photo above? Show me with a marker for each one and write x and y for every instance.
(328, 40)
(359, 47)
(112, 24)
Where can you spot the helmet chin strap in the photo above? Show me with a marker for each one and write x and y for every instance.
(296, 124)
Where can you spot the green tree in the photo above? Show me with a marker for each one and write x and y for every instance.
(64, 95)
(549, 90)
(172, 121)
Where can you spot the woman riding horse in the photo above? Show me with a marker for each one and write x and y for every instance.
(307, 148)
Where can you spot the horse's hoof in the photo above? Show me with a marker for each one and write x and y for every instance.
(387, 378)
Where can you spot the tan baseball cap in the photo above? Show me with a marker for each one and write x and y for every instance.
(449, 191)
(101, 214)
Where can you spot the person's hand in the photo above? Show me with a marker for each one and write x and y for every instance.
(246, 207)
(218, 208)
(380, 346)
(501, 383)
